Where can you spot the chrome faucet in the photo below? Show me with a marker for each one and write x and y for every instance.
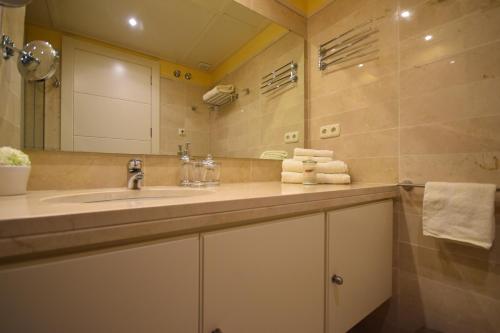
(135, 175)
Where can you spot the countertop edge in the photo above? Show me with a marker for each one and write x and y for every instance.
(34, 246)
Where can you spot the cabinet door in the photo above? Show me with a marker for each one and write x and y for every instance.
(360, 253)
(265, 278)
(152, 288)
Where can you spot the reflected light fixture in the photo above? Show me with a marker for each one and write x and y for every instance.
(428, 37)
(361, 65)
(405, 14)
(132, 22)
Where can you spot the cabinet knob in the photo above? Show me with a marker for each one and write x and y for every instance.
(337, 279)
(217, 330)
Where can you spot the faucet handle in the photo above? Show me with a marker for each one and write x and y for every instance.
(135, 165)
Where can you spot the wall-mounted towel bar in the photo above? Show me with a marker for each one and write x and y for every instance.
(350, 45)
(280, 77)
(408, 185)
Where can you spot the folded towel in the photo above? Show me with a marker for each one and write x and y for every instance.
(314, 158)
(313, 152)
(460, 212)
(274, 155)
(228, 89)
(322, 178)
(321, 167)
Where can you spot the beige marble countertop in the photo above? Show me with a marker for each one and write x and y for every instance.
(31, 224)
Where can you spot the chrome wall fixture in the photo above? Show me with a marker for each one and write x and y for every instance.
(281, 77)
(357, 44)
(221, 99)
(408, 185)
(37, 60)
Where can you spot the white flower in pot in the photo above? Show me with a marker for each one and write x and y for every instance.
(15, 169)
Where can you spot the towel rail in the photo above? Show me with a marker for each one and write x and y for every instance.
(408, 185)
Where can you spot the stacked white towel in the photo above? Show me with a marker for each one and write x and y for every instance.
(313, 152)
(322, 178)
(328, 170)
(330, 167)
(220, 89)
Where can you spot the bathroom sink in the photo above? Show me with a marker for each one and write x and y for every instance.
(120, 195)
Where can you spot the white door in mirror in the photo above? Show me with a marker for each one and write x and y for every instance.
(329, 131)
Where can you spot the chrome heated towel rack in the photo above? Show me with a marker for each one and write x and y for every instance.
(279, 78)
(356, 44)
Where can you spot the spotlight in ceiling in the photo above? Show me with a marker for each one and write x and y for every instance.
(405, 14)
(428, 37)
(132, 22)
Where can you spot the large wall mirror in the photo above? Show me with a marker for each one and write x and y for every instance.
(146, 76)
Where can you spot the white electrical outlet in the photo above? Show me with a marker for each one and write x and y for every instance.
(329, 131)
(181, 131)
(291, 137)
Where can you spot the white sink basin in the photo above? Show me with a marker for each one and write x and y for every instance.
(143, 194)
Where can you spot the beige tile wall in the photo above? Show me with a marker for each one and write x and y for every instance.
(181, 106)
(256, 122)
(11, 24)
(426, 110)
(69, 170)
(364, 101)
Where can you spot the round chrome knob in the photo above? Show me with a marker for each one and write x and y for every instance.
(337, 280)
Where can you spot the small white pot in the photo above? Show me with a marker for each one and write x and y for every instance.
(14, 179)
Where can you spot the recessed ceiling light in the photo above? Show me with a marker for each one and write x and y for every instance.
(132, 22)
(428, 37)
(405, 13)
(361, 65)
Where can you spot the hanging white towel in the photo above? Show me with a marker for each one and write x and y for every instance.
(463, 212)
(322, 178)
(322, 167)
(313, 152)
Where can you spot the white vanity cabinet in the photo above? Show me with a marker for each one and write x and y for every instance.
(268, 277)
(265, 278)
(150, 288)
(359, 263)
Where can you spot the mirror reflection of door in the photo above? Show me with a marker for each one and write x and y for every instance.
(110, 100)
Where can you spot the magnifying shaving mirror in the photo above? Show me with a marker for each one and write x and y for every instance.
(37, 60)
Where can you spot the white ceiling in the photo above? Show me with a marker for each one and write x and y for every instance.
(182, 31)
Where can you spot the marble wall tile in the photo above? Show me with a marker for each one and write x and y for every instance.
(472, 167)
(11, 24)
(451, 38)
(470, 135)
(481, 63)
(427, 305)
(479, 276)
(426, 110)
(469, 100)
(433, 13)
(62, 171)
(65, 171)
(257, 122)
